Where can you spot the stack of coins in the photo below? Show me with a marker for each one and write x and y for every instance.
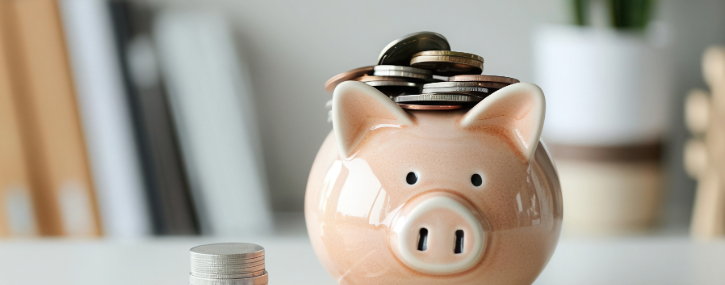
(447, 63)
(419, 71)
(228, 264)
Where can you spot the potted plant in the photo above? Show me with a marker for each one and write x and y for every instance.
(607, 81)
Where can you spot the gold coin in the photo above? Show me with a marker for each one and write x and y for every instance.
(449, 53)
(448, 65)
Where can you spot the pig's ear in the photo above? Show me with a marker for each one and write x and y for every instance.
(517, 111)
(357, 108)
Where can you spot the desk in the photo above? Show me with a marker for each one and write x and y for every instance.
(290, 260)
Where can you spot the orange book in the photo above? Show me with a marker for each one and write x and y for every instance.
(17, 216)
(60, 171)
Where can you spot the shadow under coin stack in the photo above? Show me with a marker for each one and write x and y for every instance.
(420, 72)
(228, 264)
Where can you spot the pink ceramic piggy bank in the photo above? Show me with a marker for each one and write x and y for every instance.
(465, 196)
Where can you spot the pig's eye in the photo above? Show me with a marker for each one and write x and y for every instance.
(411, 178)
(476, 180)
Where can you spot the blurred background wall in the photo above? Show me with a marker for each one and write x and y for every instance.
(170, 107)
(292, 48)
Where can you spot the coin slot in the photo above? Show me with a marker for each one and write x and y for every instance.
(459, 242)
(423, 239)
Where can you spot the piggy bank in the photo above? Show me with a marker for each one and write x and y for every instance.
(466, 196)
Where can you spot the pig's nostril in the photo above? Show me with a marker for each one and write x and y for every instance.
(459, 242)
(423, 239)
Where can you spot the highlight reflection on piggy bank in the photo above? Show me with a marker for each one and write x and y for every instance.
(434, 197)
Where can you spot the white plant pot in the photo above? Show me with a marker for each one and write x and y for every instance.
(603, 87)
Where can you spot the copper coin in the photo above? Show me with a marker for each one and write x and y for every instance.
(449, 53)
(429, 107)
(345, 76)
(448, 65)
(483, 78)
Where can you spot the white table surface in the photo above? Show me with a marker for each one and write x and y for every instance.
(290, 260)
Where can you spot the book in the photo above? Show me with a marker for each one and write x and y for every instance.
(115, 162)
(17, 213)
(167, 186)
(212, 106)
(65, 197)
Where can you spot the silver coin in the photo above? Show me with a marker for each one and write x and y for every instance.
(436, 98)
(455, 84)
(401, 68)
(206, 262)
(228, 275)
(228, 264)
(258, 280)
(227, 267)
(457, 89)
(392, 83)
(394, 73)
(224, 259)
(227, 251)
(400, 51)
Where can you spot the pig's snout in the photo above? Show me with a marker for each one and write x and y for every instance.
(438, 233)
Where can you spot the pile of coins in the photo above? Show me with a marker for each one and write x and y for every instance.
(419, 71)
(228, 264)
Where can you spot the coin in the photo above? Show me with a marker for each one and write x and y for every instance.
(458, 84)
(449, 53)
(402, 69)
(478, 91)
(392, 83)
(448, 65)
(369, 78)
(345, 76)
(393, 73)
(429, 107)
(435, 98)
(490, 85)
(259, 280)
(483, 78)
(400, 51)
(227, 250)
(227, 263)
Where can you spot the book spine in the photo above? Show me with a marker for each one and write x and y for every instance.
(17, 216)
(106, 118)
(57, 154)
(212, 106)
(167, 186)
